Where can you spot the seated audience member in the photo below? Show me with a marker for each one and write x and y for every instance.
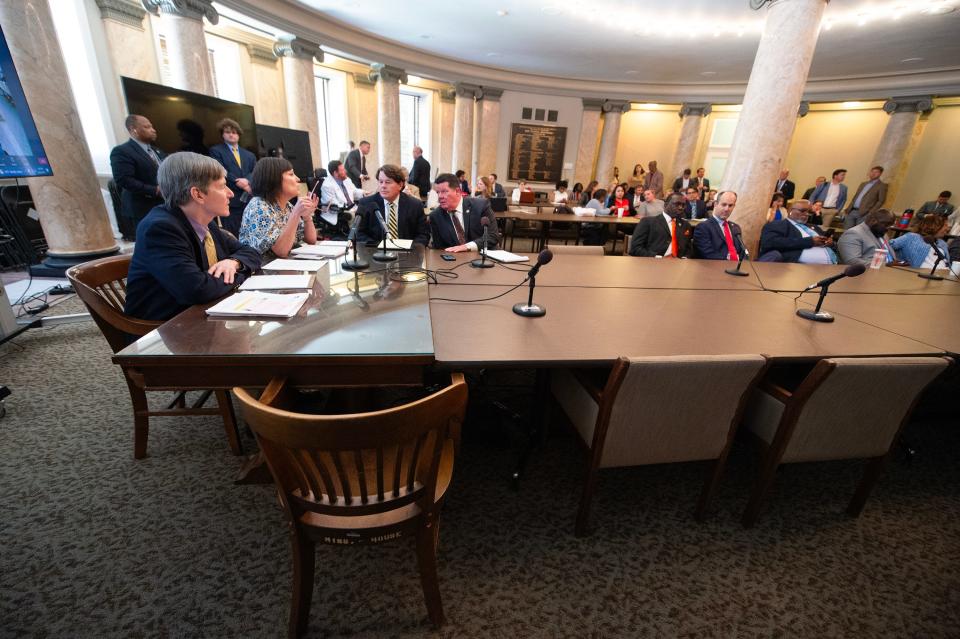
(402, 213)
(710, 198)
(638, 200)
(816, 213)
(794, 241)
(455, 224)
(575, 195)
(463, 185)
(666, 235)
(651, 206)
(914, 248)
(816, 184)
(496, 189)
(716, 238)
(939, 206)
(833, 194)
(239, 164)
(858, 244)
(484, 188)
(560, 195)
(620, 204)
(181, 257)
(271, 222)
(694, 208)
(684, 182)
(776, 210)
(588, 192)
(594, 234)
(522, 187)
(336, 190)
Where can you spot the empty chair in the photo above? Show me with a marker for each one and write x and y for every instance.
(577, 249)
(845, 408)
(102, 285)
(655, 410)
(359, 478)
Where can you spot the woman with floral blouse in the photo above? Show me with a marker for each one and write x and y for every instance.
(271, 224)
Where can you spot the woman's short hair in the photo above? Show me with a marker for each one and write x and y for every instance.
(267, 177)
(180, 172)
(931, 224)
(227, 123)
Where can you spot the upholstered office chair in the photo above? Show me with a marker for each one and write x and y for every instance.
(646, 413)
(576, 249)
(363, 478)
(101, 284)
(845, 408)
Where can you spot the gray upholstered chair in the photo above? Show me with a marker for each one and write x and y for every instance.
(845, 408)
(577, 249)
(646, 413)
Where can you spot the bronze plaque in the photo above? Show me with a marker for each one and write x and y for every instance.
(536, 152)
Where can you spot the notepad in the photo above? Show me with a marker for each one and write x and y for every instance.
(294, 265)
(397, 245)
(507, 257)
(318, 250)
(254, 303)
(275, 282)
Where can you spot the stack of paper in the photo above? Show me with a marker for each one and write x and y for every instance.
(310, 251)
(276, 282)
(259, 304)
(507, 257)
(294, 265)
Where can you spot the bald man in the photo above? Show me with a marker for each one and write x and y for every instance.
(420, 173)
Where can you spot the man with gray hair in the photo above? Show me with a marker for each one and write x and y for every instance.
(181, 257)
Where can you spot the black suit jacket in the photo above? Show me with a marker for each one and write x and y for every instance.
(789, 188)
(783, 236)
(135, 174)
(222, 154)
(411, 220)
(695, 210)
(356, 165)
(420, 175)
(652, 237)
(445, 235)
(678, 184)
(710, 242)
(168, 272)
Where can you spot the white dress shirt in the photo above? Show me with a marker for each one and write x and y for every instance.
(833, 192)
(459, 213)
(815, 254)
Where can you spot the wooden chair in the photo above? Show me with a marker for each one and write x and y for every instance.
(101, 284)
(361, 478)
(845, 408)
(656, 410)
(576, 249)
(626, 243)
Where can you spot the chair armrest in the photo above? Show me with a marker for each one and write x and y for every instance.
(777, 392)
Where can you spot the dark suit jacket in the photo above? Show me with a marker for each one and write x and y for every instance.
(222, 154)
(789, 188)
(168, 272)
(135, 174)
(498, 190)
(652, 237)
(445, 235)
(411, 223)
(356, 165)
(783, 236)
(709, 240)
(678, 184)
(705, 183)
(420, 175)
(695, 210)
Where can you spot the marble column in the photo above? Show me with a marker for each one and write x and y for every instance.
(186, 43)
(891, 152)
(463, 127)
(489, 131)
(613, 110)
(692, 116)
(443, 138)
(587, 145)
(388, 81)
(72, 212)
(770, 106)
(297, 56)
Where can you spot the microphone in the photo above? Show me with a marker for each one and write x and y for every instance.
(383, 255)
(816, 314)
(851, 271)
(530, 309)
(482, 262)
(354, 264)
(737, 240)
(932, 241)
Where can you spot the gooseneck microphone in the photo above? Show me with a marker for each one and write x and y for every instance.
(932, 241)
(383, 255)
(737, 240)
(354, 264)
(816, 314)
(530, 309)
(482, 262)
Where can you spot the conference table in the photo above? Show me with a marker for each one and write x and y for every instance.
(547, 217)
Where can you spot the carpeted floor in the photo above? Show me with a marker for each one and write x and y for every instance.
(95, 544)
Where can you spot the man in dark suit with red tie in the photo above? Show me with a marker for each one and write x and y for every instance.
(716, 238)
(134, 165)
(665, 235)
(455, 225)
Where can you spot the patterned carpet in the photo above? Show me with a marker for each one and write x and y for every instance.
(95, 544)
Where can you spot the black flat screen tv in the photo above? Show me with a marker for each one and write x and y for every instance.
(187, 121)
(21, 151)
(291, 144)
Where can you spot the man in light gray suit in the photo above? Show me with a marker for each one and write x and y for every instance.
(857, 245)
(868, 197)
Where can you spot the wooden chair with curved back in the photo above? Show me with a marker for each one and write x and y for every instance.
(361, 478)
(101, 284)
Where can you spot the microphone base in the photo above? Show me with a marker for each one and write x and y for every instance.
(736, 271)
(482, 263)
(384, 256)
(820, 316)
(529, 310)
(354, 265)
(927, 276)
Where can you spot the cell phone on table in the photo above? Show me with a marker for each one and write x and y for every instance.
(448, 258)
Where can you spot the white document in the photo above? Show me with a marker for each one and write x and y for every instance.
(584, 212)
(294, 265)
(259, 304)
(275, 282)
(318, 250)
(397, 245)
(507, 257)
(334, 243)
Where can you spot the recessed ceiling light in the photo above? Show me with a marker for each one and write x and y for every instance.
(502, 12)
(708, 73)
(908, 60)
(551, 10)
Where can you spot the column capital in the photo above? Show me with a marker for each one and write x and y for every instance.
(701, 109)
(491, 94)
(386, 73)
(803, 109)
(610, 106)
(465, 90)
(260, 53)
(193, 9)
(360, 77)
(909, 104)
(592, 104)
(448, 94)
(297, 47)
(127, 12)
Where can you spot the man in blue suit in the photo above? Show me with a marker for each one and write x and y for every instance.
(134, 165)
(239, 164)
(716, 238)
(181, 257)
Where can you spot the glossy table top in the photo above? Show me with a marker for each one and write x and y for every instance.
(888, 280)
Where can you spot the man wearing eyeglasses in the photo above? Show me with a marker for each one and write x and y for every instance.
(792, 240)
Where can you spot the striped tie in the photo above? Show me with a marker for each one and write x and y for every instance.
(392, 221)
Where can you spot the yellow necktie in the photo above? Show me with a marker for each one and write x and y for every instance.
(210, 249)
(236, 156)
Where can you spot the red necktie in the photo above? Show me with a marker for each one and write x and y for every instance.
(673, 236)
(731, 249)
